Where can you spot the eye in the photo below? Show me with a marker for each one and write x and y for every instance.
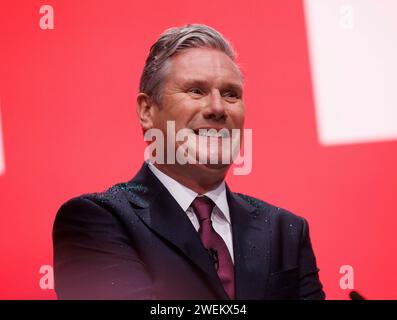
(196, 91)
(232, 95)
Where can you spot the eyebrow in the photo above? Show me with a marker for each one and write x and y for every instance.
(204, 83)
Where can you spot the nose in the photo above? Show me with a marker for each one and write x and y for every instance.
(215, 109)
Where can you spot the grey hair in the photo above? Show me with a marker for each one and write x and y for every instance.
(175, 40)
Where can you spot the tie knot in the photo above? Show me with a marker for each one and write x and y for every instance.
(203, 206)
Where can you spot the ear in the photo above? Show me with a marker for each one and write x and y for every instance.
(145, 110)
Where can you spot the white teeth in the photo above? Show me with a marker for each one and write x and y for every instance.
(224, 133)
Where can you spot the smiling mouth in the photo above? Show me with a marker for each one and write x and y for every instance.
(212, 133)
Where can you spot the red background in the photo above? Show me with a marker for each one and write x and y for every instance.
(69, 127)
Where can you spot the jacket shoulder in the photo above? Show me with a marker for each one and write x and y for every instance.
(277, 212)
(115, 198)
(118, 193)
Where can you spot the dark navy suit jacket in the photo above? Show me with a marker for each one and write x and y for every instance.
(134, 241)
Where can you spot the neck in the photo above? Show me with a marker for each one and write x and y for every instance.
(198, 178)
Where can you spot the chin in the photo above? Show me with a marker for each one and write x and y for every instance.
(215, 166)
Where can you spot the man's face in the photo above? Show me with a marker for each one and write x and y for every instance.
(202, 90)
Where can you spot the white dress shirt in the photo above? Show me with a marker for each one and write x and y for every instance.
(220, 215)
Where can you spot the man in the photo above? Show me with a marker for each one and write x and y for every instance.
(176, 231)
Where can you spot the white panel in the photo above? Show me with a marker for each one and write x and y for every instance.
(353, 54)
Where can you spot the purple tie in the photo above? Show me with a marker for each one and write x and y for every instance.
(214, 243)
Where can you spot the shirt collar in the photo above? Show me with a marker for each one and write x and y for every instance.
(185, 196)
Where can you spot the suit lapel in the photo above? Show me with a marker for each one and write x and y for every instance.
(156, 207)
(163, 215)
(251, 247)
